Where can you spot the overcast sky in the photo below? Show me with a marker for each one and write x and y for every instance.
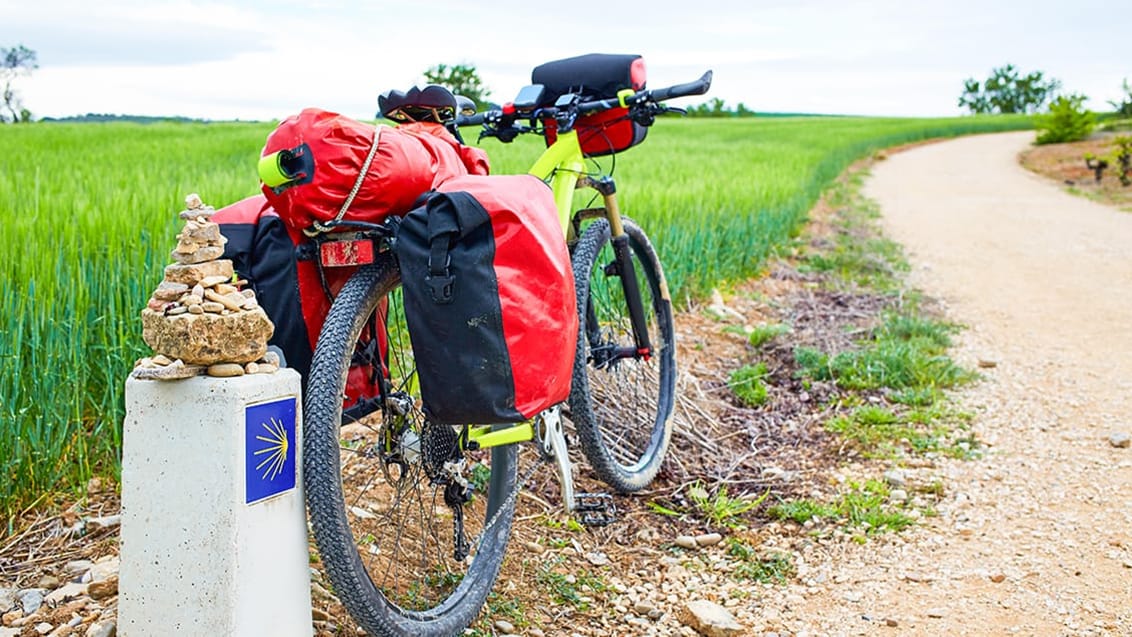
(267, 60)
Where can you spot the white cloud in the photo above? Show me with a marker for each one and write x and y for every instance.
(267, 59)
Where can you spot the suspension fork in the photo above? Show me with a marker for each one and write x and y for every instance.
(623, 254)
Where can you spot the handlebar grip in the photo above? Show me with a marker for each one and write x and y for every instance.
(470, 120)
(698, 87)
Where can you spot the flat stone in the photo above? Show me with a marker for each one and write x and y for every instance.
(201, 255)
(162, 360)
(48, 581)
(157, 305)
(106, 588)
(105, 522)
(226, 370)
(105, 568)
(213, 281)
(709, 539)
(1120, 440)
(211, 307)
(204, 339)
(709, 619)
(65, 593)
(170, 291)
(192, 273)
(31, 599)
(207, 233)
(9, 618)
(176, 310)
(216, 297)
(101, 629)
(174, 371)
(189, 300)
(271, 358)
(77, 568)
(504, 626)
(686, 541)
(227, 289)
(196, 309)
(198, 291)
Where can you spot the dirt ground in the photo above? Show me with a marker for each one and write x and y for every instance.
(1031, 539)
(1065, 163)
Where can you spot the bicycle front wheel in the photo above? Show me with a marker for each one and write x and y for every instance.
(621, 399)
(410, 528)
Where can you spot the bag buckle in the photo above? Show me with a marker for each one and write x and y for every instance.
(440, 287)
(440, 282)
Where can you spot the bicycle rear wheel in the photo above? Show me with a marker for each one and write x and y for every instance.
(621, 400)
(411, 530)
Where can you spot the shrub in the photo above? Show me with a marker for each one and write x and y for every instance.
(748, 384)
(1066, 121)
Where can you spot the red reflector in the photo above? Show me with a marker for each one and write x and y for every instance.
(337, 254)
(509, 108)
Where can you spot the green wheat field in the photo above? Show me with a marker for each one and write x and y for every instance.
(89, 217)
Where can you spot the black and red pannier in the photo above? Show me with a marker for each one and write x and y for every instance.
(489, 300)
(595, 76)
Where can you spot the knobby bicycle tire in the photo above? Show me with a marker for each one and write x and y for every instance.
(383, 531)
(621, 408)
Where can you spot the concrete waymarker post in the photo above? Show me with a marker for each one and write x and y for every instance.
(213, 522)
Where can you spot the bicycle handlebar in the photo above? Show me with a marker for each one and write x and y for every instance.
(697, 87)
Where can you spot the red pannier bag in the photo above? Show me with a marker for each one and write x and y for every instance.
(596, 76)
(327, 155)
(489, 300)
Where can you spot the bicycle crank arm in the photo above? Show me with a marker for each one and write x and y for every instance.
(553, 442)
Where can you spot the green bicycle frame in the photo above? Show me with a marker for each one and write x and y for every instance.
(562, 165)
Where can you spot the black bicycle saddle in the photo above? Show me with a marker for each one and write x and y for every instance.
(431, 104)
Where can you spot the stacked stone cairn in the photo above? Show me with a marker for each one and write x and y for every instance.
(200, 319)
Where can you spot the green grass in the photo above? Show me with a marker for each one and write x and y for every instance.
(753, 566)
(89, 220)
(574, 588)
(907, 353)
(763, 334)
(748, 384)
(720, 508)
(882, 432)
(862, 506)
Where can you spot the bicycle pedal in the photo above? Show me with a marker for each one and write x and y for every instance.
(595, 509)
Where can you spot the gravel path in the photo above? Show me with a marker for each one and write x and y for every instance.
(1035, 539)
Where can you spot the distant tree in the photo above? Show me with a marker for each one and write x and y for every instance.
(1124, 107)
(1008, 91)
(741, 110)
(16, 62)
(461, 79)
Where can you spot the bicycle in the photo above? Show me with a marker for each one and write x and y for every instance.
(412, 519)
